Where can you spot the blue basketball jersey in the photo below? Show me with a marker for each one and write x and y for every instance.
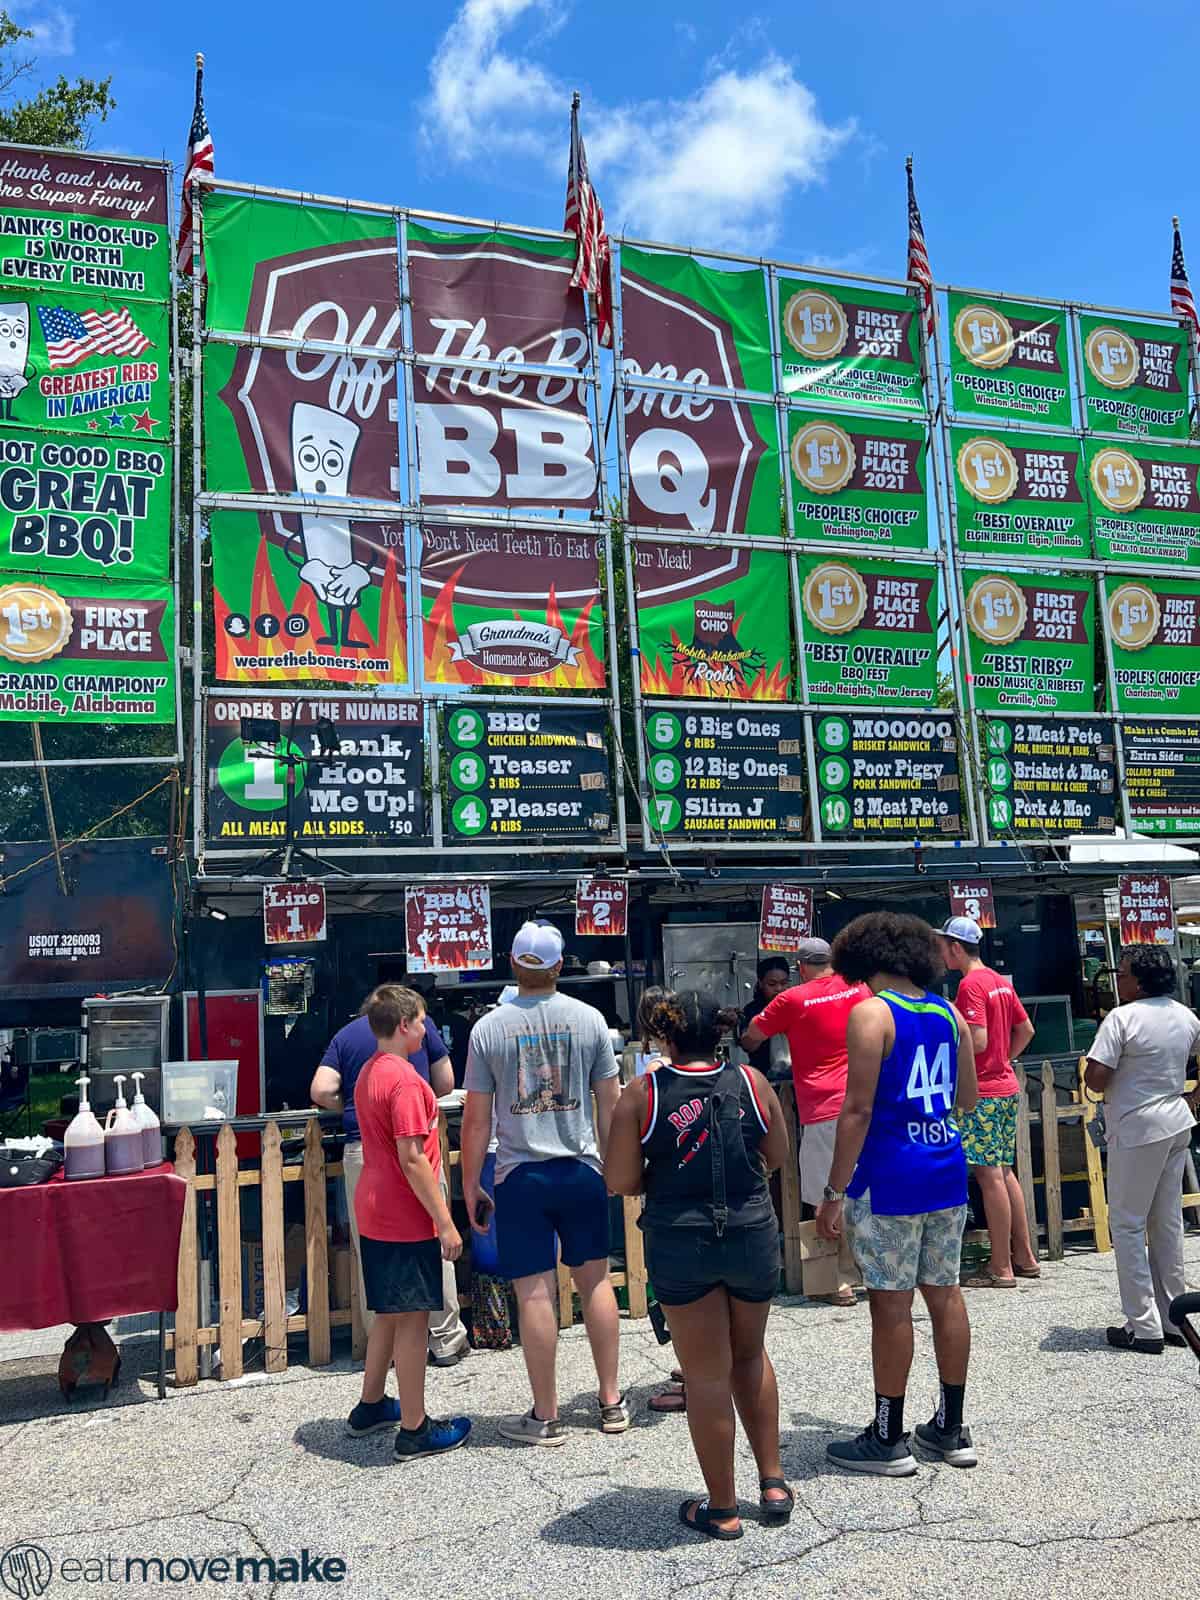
(912, 1160)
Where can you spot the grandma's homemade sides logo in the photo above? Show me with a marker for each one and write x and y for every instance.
(26, 1570)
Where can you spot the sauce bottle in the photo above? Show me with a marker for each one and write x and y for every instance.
(83, 1142)
(122, 1136)
(146, 1120)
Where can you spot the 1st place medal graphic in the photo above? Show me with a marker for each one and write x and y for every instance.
(996, 610)
(984, 336)
(1117, 479)
(835, 598)
(1133, 616)
(823, 457)
(35, 623)
(987, 470)
(1112, 357)
(816, 325)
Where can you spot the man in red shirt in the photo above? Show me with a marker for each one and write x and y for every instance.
(813, 1015)
(1000, 1030)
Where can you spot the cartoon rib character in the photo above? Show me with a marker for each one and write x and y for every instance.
(323, 446)
(14, 354)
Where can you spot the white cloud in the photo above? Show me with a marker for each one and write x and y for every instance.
(53, 28)
(712, 167)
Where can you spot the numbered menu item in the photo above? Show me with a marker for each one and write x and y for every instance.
(1050, 776)
(869, 631)
(358, 763)
(1135, 377)
(858, 481)
(851, 346)
(1019, 494)
(881, 777)
(725, 772)
(1145, 502)
(523, 772)
(1154, 627)
(1162, 776)
(1030, 641)
(1009, 360)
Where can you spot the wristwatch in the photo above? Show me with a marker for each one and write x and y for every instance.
(834, 1194)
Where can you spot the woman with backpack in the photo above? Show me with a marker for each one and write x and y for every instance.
(700, 1138)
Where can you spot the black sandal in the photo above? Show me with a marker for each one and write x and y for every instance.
(707, 1517)
(776, 1512)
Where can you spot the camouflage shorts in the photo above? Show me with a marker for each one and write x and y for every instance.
(898, 1253)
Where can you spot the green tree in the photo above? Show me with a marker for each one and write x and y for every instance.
(61, 114)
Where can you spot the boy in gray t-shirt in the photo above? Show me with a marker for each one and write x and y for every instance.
(533, 1064)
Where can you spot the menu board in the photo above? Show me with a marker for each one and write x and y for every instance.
(535, 772)
(1162, 776)
(1145, 502)
(1009, 360)
(1030, 641)
(887, 777)
(448, 927)
(858, 480)
(726, 771)
(1155, 631)
(869, 631)
(363, 793)
(852, 347)
(1019, 494)
(1050, 775)
(1135, 377)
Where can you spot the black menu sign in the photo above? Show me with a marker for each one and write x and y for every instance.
(358, 763)
(1050, 776)
(887, 776)
(734, 772)
(1162, 776)
(527, 772)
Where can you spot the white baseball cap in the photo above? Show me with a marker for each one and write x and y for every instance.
(538, 946)
(964, 929)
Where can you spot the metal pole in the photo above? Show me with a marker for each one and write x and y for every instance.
(36, 729)
(198, 796)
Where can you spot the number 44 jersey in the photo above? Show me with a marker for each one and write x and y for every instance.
(912, 1161)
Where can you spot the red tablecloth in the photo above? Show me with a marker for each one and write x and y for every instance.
(90, 1250)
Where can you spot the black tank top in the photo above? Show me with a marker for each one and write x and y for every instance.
(695, 1177)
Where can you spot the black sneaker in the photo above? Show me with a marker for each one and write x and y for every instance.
(1124, 1339)
(1175, 1340)
(868, 1454)
(952, 1444)
(433, 1438)
(370, 1417)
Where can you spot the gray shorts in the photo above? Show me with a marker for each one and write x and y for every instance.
(898, 1253)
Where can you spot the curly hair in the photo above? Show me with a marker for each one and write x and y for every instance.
(1152, 967)
(650, 998)
(689, 1021)
(888, 941)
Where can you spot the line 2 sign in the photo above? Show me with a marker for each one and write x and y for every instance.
(601, 906)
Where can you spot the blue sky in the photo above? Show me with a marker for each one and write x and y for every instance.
(1052, 141)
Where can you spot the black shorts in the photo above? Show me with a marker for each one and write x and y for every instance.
(401, 1276)
(685, 1264)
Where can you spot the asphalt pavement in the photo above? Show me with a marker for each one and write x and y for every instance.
(1085, 1484)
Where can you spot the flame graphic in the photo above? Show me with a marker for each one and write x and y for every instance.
(680, 684)
(266, 599)
(441, 632)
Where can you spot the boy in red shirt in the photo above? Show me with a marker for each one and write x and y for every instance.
(814, 1017)
(1000, 1030)
(404, 1226)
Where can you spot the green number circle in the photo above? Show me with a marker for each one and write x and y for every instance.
(833, 772)
(666, 812)
(467, 771)
(999, 738)
(256, 785)
(835, 813)
(999, 811)
(465, 727)
(662, 730)
(999, 774)
(469, 815)
(833, 733)
(665, 771)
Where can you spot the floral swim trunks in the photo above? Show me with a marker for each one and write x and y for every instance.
(989, 1133)
(898, 1253)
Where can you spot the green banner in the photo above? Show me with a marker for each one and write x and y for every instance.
(713, 622)
(1135, 377)
(312, 598)
(685, 323)
(1154, 627)
(1030, 641)
(870, 631)
(1019, 494)
(852, 347)
(78, 651)
(1145, 502)
(1008, 359)
(858, 480)
(87, 506)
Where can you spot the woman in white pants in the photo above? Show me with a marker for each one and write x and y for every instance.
(1139, 1061)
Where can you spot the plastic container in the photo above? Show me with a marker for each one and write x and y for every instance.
(122, 1136)
(144, 1116)
(485, 1251)
(83, 1142)
(199, 1091)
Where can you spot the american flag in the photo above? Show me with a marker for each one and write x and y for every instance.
(199, 159)
(918, 269)
(585, 219)
(73, 336)
(1182, 303)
